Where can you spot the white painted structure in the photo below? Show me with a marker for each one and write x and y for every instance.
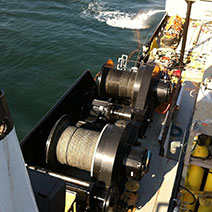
(200, 9)
(16, 193)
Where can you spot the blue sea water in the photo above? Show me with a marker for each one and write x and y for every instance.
(46, 45)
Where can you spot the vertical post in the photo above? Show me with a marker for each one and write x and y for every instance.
(16, 191)
(6, 124)
(185, 29)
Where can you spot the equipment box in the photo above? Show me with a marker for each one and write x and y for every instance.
(49, 191)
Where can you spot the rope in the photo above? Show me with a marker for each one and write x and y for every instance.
(194, 198)
(97, 75)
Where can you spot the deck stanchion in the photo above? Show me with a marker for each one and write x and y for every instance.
(185, 29)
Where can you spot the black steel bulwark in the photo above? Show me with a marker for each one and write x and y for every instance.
(71, 103)
(156, 30)
(6, 124)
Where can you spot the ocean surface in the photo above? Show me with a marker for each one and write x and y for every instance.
(46, 45)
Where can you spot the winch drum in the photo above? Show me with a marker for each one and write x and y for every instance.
(102, 154)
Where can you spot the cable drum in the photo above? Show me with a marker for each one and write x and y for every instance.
(132, 86)
(120, 83)
(76, 147)
(102, 154)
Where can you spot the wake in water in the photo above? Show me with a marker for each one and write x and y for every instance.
(119, 19)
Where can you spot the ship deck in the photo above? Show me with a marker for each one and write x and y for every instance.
(157, 185)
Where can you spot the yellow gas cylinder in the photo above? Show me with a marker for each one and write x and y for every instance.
(195, 174)
(206, 205)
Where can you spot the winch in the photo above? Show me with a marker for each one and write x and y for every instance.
(133, 86)
(109, 157)
(130, 94)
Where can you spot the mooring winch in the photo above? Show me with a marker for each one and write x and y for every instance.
(110, 156)
(131, 95)
(134, 86)
(103, 153)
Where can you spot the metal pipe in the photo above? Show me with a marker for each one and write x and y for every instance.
(185, 30)
(71, 180)
(62, 177)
